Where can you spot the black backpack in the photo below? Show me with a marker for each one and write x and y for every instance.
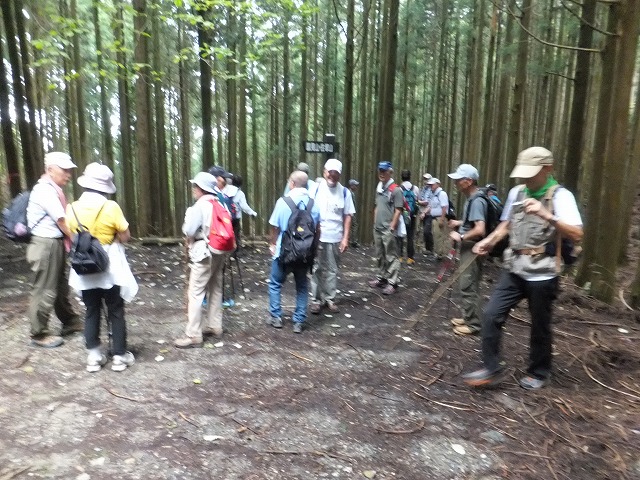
(451, 212)
(87, 254)
(14, 219)
(299, 241)
(494, 212)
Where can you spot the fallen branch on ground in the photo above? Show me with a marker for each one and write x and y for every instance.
(419, 427)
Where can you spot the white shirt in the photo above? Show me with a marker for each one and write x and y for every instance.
(334, 203)
(45, 210)
(438, 201)
(197, 221)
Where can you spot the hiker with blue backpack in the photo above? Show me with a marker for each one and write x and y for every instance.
(411, 194)
(295, 229)
(538, 216)
(335, 203)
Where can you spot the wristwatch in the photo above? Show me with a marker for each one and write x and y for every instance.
(461, 237)
(555, 219)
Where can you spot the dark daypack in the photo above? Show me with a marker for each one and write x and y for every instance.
(298, 246)
(14, 219)
(569, 251)
(494, 212)
(451, 212)
(87, 254)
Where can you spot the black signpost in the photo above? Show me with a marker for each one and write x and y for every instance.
(328, 146)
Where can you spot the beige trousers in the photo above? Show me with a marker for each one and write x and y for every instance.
(205, 279)
(441, 240)
(50, 291)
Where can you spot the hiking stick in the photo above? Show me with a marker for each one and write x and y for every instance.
(240, 276)
(443, 287)
(447, 263)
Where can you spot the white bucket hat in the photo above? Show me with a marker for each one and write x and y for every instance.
(97, 177)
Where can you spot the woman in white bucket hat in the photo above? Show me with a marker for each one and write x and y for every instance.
(105, 220)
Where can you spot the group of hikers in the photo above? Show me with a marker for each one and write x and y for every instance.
(311, 227)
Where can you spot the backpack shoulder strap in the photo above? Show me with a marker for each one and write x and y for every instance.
(81, 227)
(309, 204)
(290, 203)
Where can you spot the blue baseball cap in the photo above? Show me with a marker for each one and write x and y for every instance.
(385, 166)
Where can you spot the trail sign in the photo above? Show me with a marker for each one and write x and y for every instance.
(312, 146)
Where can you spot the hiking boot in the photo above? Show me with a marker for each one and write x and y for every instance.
(484, 378)
(275, 322)
(532, 383)
(315, 308)
(458, 322)
(332, 307)
(121, 362)
(77, 326)
(95, 361)
(390, 289)
(212, 332)
(401, 259)
(297, 327)
(377, 283)
(188, 342)
(228, 303)
(47, 341)
(410, 261)
(465, 330)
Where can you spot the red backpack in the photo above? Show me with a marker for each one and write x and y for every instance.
(221, 236)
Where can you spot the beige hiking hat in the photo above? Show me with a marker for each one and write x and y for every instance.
(531, 161)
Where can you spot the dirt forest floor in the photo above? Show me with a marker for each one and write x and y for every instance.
(357, 395)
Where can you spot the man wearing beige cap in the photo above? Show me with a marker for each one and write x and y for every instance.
(537, 216)
(46, 253)
(336, 208)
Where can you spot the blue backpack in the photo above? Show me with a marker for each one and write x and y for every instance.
(410, 198)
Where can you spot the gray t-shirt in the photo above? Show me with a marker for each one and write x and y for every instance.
(386, 202)
(477, 208)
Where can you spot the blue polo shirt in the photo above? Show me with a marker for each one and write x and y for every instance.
(282, 213)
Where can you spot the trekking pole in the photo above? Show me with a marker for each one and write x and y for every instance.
(233, 283)
(240, 275)
(448, 262)
(443, 287)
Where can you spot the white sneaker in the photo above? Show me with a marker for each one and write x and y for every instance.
(121, 362)
(95, 361)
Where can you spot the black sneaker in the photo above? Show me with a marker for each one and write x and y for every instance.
(297, 327)
(275, 322)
